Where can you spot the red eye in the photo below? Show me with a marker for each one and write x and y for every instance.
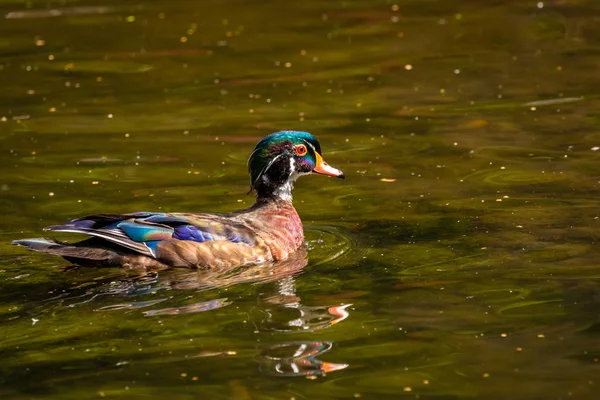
(301, 150)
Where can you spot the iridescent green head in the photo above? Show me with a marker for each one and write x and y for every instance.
(280, 158)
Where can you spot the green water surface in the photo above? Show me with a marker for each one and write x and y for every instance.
(458, 260)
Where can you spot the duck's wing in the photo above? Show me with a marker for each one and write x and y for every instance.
(142, 232)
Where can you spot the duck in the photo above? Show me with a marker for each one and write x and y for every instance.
(268, 231)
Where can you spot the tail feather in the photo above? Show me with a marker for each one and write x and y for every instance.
(65, 249)
(90, 252)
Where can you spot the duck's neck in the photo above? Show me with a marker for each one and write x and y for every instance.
(279, 193)
(284, 192)
(277, 185)
(273, 201)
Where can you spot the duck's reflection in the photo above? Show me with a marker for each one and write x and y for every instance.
(215, 278)
(296, 359)
(279, 308)
(283, 311)
(132, 284)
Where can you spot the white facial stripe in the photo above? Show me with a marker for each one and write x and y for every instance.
(265, 169)
(310, 144)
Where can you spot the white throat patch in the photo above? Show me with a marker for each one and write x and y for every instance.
(284, 192)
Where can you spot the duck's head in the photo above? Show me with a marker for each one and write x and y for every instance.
(280, 158)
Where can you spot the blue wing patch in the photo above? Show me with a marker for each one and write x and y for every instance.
(190, 232)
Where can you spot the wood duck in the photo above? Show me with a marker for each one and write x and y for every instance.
(268, 231)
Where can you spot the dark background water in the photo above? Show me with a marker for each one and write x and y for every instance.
(459, 258)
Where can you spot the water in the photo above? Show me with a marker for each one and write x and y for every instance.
(459, 258)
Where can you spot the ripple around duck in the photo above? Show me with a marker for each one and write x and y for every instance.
(327, 244)
(331, 245)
